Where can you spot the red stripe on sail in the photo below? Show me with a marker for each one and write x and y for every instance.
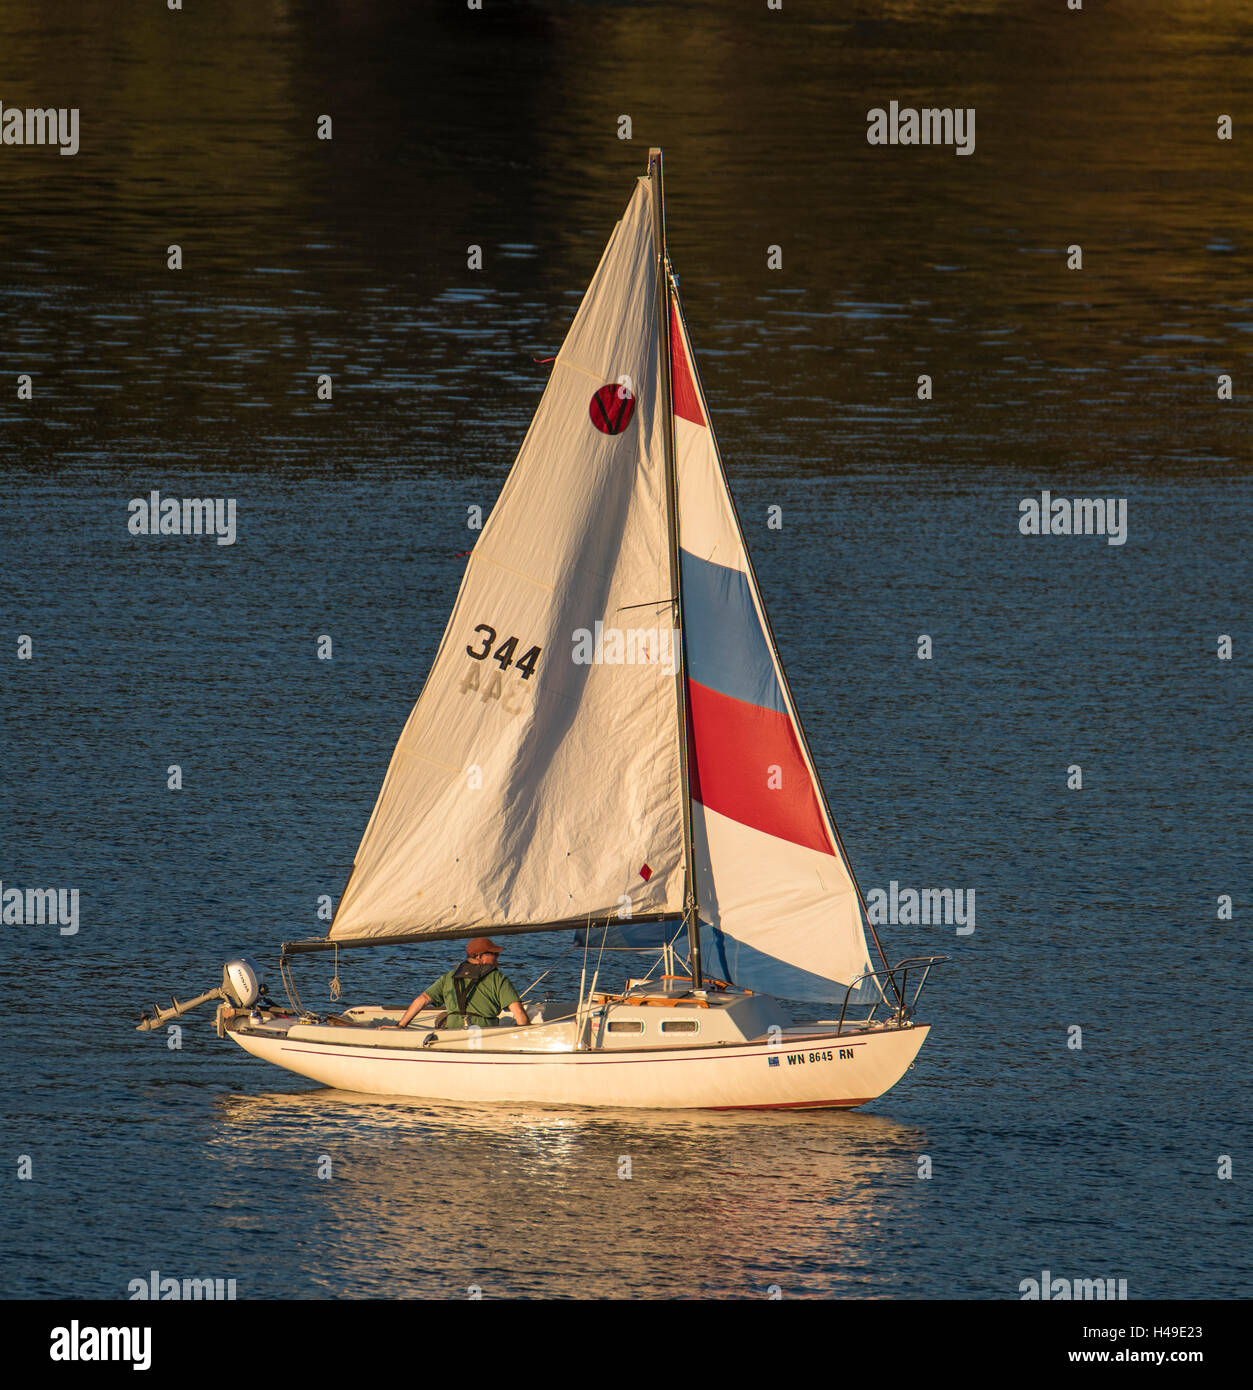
(735, 751)
(686, 401)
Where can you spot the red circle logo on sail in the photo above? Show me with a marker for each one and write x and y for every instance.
(611, 408)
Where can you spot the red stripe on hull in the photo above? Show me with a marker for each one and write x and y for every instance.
(798, 1105)
(686, 401)
(732, 747)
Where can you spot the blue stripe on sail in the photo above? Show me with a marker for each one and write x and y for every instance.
(725, 646)
(630, 936)
(755, 970)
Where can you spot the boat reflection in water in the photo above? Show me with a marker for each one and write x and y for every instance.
(436, 1201)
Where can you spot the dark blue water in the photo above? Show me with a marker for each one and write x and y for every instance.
(1096, 908)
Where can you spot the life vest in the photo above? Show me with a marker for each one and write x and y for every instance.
(466, 980)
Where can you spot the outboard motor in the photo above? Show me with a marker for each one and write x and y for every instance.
(241, 981)
(241, 985)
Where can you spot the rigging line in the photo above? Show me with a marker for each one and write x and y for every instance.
(587, 934)
(604, 936)
(549, 971)
(661, 956)
(652, 603)
(289, 984)
(533, 983)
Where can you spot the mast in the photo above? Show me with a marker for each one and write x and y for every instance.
(672, 525)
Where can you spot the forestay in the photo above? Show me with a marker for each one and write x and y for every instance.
(536, 781)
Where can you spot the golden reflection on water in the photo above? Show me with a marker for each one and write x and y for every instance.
(432, 1200)
(1094, 128)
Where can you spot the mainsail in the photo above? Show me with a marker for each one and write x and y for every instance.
(536, 783)
(773, 886)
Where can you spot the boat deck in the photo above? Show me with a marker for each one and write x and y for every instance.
(629, 1021)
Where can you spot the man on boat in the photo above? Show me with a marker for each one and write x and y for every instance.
(474, 993)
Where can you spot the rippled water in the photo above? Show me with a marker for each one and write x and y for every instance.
(1095, 908)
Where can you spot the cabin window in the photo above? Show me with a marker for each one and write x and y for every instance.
(680, 1025)
(627, 1025)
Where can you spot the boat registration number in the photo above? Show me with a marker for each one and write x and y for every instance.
(801, 1058)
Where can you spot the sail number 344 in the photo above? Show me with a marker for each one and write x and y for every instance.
(504, 654)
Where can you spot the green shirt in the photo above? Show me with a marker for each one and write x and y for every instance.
(489, 996)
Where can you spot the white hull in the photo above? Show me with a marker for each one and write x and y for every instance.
(821, 1071)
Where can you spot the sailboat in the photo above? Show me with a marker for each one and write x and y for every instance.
(606, 743)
